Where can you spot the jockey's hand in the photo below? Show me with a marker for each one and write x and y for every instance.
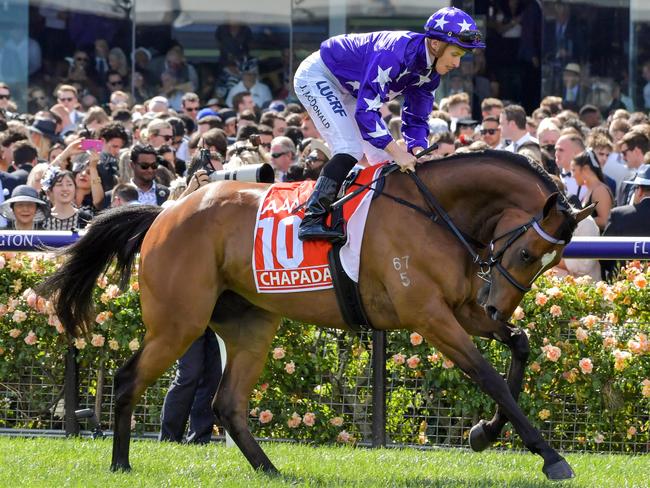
(405, 160)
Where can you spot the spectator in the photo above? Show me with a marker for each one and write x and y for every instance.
(96, 118)
(445, 143)
(614, 172)
(491, 107)
(567, 148)
(59, 186)
(633, 146)
(159, 132)
(144, 162)
(250, 83)
(458, 108)
(586, 171)
(89, 194)
(124, 194)
(547, 134)
(115, 138)
(67, 96)
(573, 93)
(283, 155)
(37, 101)
(24, 159)
(243, 101)
(190, 105)
(7, 140)
(308, 127)
(277, 123)
(118, 62)
(5, 97)
(119, 100)
(491, 132)
(513, 127)
(590, 116)
(24, 210)
(42, 135)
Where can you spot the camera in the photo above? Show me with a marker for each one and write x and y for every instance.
(204, 159)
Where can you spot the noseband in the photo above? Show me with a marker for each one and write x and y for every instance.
(493, 259)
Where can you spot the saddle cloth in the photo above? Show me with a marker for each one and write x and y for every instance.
(282, 263)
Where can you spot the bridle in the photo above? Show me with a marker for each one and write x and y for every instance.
(493, 259)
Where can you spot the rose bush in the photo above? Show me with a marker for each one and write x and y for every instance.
(589, 367)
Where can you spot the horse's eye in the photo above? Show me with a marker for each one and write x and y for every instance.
(525, 255)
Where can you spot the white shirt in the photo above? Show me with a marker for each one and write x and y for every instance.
(259, 91)
(513, 146)
(580, 267)
(616, 171)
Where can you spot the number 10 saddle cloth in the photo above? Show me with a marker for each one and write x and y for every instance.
(284, 264)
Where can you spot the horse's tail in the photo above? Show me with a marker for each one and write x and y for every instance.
(116, 233)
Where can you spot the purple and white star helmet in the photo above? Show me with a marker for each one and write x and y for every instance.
(453, 26)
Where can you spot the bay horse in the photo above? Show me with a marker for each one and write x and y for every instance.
(195, 271)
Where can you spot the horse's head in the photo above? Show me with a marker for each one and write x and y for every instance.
(523, 247)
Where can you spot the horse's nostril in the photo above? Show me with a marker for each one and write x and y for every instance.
(492, 312)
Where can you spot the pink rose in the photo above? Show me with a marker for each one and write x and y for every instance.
(609, 342)
(589, 321)
(41, 305)
(535, 367)
(586, 366)
(97, 340)
(447, 364)
(416, 339)
(631, 432)
(413, 361)
(102, 282)
(336, 421)
(31, 338)
(433, 358)
(135, 286)
(15, 333)
(541, 299)
(518, 314)
(634, 346)
(264, 386)
(599, 438)
(2, 262)
(19, 316)
(290, 367)
(113, 345)
(265, 416)
(31, 298)
(255, 412)
(581, 334)
(554, 292)
(399, 358)
(345, 437)
(556, 311)
(294, 421)
(552, 353)
(645, 388)
(278, 353)
(80, 343)
(640, 281)
(309, 419)
(571, 376)
(134, 345)
(103, 317)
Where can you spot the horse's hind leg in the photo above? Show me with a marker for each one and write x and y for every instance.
(157, 353)
(247, 338)
(485, 433)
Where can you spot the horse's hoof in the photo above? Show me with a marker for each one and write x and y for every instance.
(478, 438)
(119, 467)
(559, 470)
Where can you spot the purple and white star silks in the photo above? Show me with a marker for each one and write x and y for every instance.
(377, 66)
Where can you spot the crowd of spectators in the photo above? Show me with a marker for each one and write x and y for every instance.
(81, 159)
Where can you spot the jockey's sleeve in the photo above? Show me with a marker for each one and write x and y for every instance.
(418, 103)
(380, 71)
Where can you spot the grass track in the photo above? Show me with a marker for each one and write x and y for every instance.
(84, 463)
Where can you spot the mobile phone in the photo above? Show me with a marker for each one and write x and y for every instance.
(92, 145)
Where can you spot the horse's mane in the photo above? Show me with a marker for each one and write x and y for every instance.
(520, 161)
(517, 160)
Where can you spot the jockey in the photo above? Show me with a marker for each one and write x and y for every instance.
(344, 84)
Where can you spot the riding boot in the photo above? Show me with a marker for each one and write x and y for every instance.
(313, 226)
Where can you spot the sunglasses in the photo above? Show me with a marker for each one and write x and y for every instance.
(489, 131)
(266, 145)
(66, 99)
(115, 83)
(191, 109)
(549, 147)
(311, 160)
(278, 155)
(5, 97)
(148, 165)
(625, 151)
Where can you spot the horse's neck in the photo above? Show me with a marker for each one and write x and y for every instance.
(477, 195)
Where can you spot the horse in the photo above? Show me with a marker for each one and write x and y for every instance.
(195, 271)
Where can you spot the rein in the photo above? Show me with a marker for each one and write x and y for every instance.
(493, 259)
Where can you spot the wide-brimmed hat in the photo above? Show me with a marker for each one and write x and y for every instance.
(573, 68)
(642, 176)
(24, 193)
(47, 128)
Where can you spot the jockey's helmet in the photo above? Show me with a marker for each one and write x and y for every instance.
(453, 26)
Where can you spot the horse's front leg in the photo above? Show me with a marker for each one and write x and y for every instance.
(450, 338)
(485, 433)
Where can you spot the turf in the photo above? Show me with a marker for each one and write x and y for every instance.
(84, 463)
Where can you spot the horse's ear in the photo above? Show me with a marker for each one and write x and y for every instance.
(584, 213)
(551, 203)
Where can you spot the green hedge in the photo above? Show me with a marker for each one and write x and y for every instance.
(589, 344)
